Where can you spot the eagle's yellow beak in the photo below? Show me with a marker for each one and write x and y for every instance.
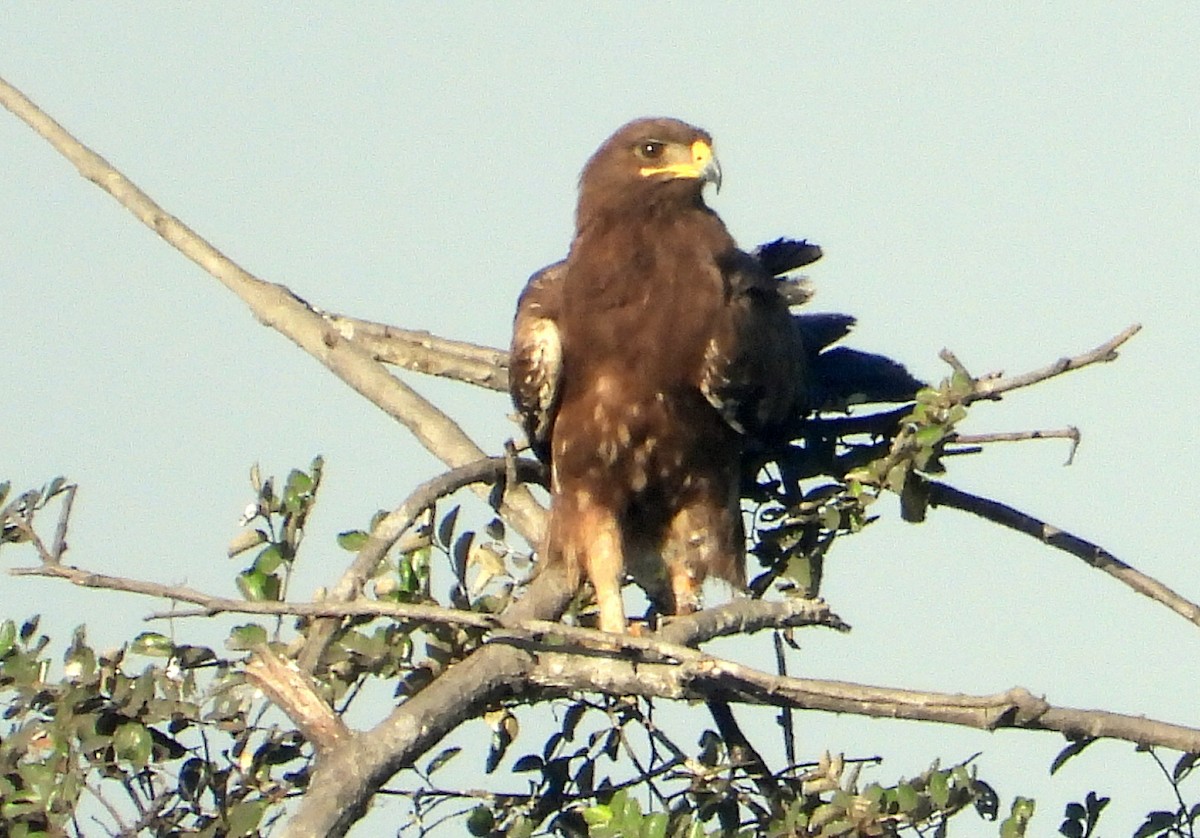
(697, 162)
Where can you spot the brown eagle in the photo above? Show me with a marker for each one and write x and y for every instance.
(639, 366)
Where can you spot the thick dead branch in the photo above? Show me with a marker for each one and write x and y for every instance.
(291, 690)
(277, 307)
(508, 670)
(706, 677)
(423, 352)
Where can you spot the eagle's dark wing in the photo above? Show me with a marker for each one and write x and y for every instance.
(536, 359)
(785, 255)
(754, 364)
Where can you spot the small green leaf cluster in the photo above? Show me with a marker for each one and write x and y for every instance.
(17, 515)
(173, 738)
(274, 522)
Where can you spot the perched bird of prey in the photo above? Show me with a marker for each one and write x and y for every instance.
(641, 364)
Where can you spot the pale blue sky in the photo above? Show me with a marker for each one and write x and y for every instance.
(1015, 181)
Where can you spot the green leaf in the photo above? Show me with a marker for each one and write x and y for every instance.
(529, 762)
(481, 820)
(152, 644)
(929, 436)
(939, 788)
(132, 742)
(961, 384)
(1071, 750)
(598, 815)
(906, 797)
(252, 585)
(1095, 805)
(522, 827)
(244, 817)
(8, 635)
(268, 560)
(246, 637)
(571, 720)
(190, 656)
(445, 530)
(352, 540)
(298, 482)
(1071, 828)
(441, 759)
(842, 826)
(1015, 825)
(495, 529)
(256, 586)
(407, 578)
(1156, 823)
(654, 826)
(1182, 768)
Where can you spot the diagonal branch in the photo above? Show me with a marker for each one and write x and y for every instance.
(277, 307)
(941, 494)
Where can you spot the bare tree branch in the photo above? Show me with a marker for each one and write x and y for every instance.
(991, 386)
(213, 605)
(423, 352)
(741, 616)
(277, 307)
(514, 663)
(706, 677)
(293, 692)
(975, 440)
(941, 494)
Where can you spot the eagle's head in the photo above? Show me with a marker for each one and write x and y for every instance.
(648, 163)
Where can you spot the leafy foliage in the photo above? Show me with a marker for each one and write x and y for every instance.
(170, 738)
(168, 728)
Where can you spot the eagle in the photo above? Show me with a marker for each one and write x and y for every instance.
(642, 364)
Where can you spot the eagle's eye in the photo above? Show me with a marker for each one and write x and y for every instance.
(651, 149)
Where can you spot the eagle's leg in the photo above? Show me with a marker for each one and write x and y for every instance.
(591, 541)
(605, 568)
(702, 540)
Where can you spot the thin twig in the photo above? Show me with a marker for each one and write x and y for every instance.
(1070, 432)
(112, 810)
(990, 387)
(59, 545)
(213, 605)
